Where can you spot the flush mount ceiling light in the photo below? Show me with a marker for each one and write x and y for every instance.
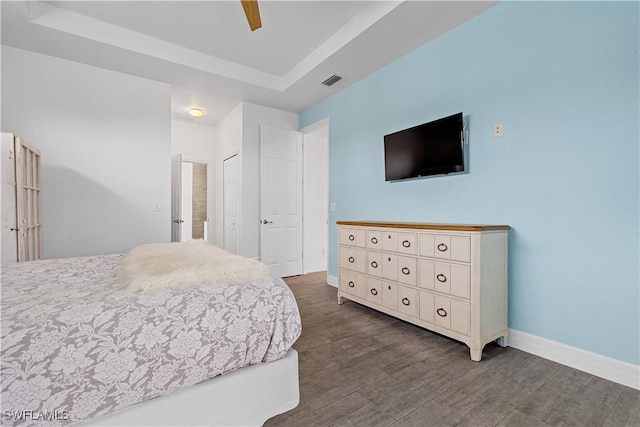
(196, 112)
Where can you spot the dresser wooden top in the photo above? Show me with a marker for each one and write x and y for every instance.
(426, 226)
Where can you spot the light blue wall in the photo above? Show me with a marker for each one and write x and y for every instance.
(563, 79)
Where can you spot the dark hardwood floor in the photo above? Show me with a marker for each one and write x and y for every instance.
(359, 367)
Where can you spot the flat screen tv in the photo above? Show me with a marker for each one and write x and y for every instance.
(433, 148)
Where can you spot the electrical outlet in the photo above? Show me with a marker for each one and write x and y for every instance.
(332, 207)
(497, 130)
(156, 207)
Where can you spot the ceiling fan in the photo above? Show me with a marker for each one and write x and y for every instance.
(252, 11)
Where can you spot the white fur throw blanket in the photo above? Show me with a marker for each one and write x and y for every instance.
(176, 265)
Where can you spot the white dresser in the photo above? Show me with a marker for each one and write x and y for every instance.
(451, 279)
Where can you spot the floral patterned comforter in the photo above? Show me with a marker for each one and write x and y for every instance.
(75, 346)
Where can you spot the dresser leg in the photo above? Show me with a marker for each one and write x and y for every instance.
(502, 341)
(339, 299)
(476, 355)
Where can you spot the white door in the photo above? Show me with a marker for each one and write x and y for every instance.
(281, 200)
(8, 209)
(230, 203)
(28, 201)
(176, 198)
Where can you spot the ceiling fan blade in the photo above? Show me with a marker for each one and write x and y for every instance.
(252, 11)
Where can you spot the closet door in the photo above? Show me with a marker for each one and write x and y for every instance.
(28, 201)
(8, 208)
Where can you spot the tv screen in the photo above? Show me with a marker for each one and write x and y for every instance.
(433, 148)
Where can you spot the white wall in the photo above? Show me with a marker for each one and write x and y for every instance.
(316, 196)
(228, 132)
(252, 117)
(105, 143)
(197, 143)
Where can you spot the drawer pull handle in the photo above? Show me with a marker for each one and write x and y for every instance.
(441, 312)
(441, 278)
(389, 259)
(352, 259)
(374, 264)
(442, 247)
(374, 240)
(406, 271)
(389, 287)
(406, 301)
(389, 235)
(351, 284)
(352, 237)
(374, 291)
(406, 243)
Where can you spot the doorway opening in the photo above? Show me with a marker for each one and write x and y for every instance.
(194, 201)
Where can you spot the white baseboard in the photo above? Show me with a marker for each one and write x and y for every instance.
(332, 280)
(605, 367)
(312, 268)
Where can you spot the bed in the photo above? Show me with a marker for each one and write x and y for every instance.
(79, 349)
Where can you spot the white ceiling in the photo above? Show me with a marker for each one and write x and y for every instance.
(206, 51)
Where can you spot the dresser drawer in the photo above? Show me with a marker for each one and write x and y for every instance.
(393, 241)
(407, 301)
(374, 239)
(445, 312)
(374, 290)
(352, 283)
(390, 241)
(455, 248)
(390, 295)
(390, 266)
(408, 243)
(407, 271)
(399, 298)
(399, 268)
(353, 259)
(374, 263)
(447, 278)
(353, 237)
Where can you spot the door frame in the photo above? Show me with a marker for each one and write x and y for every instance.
(186, 195)
(176, 198)
(210, 194)
(238, 200)
(320, 124)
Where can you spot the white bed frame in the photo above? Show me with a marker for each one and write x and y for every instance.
(244, 397)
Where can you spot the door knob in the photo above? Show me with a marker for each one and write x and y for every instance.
(178, 221)
(264, 221)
